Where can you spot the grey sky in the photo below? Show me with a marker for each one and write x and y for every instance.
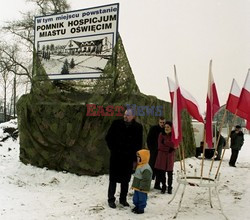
(158, 34)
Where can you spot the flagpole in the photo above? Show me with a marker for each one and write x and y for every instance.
(183, 156)
(230, 129)
(217, 141)
(182, 147)
(212, 107)
(203, 152)
(180, 157)
(206, 121)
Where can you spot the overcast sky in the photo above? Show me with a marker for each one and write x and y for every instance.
(158, 34)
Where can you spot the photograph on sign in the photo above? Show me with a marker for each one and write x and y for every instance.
(77, 44)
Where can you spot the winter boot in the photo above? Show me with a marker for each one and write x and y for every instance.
(139, 211)
(170, 189)
(135, 209)
(112, 205)
(163, 189)
(157, 186)
(124, 203)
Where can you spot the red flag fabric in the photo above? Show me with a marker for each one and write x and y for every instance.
(188, 101)
(233, 97)
(191, 105)
(172, 87)
(244, 100)
(248, 124)
(176, 100)
(213, 106)
(233, 100)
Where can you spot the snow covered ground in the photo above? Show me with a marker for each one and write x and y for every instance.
(29, 193)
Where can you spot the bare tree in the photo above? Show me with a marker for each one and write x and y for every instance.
(51, 6)
(23, 32)
(5, 83)
(13, 61)
(24, 28)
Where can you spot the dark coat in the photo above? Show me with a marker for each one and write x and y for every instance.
(152, 142)
(166, 153)
(221, 144)
(237, 140)
(123, 140)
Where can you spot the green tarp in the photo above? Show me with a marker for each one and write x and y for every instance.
(55, 131)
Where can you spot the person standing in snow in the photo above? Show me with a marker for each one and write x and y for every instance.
(221, 144)
(165, 158)
(124, 139)
(142, 181)
(152, 142)
(237, 140)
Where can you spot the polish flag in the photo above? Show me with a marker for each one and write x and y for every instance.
(233, 100)
(172, 88)
(188, 101)
(176, 100)
(213, 106)
(191, 105)
(244, 100)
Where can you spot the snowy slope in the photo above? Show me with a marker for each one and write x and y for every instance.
(29, 193)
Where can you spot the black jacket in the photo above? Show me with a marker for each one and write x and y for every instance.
(123, 140)
(152, 142)
(237, 140)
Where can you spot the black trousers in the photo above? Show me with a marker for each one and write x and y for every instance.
(123, 193)
(233, 157)
(161, 177)
(154, 173)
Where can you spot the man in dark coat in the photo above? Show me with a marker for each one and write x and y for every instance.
(237, 140)
(221, 144)
(124, 139)
(152, 142)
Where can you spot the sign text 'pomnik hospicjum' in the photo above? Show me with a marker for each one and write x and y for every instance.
(77, 44)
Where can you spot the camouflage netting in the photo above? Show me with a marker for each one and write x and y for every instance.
(55, 131)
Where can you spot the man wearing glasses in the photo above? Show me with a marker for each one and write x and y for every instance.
(124, 139)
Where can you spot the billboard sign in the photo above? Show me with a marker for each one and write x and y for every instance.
(77, 44)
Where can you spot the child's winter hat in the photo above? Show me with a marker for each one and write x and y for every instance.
(144, 154)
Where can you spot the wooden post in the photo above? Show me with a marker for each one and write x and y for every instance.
(180, 157)
(181, 148)
(230, 129)
(183, 156)
(203, 152)
(217, 141)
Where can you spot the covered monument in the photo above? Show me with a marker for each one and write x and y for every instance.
(55, 131)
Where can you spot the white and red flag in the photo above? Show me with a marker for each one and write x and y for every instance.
(244, 100)
(213, 106)
(233, 97)
(184, 101)
(188, 101)
(191, 105)
(233, 100)
(176, 100)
